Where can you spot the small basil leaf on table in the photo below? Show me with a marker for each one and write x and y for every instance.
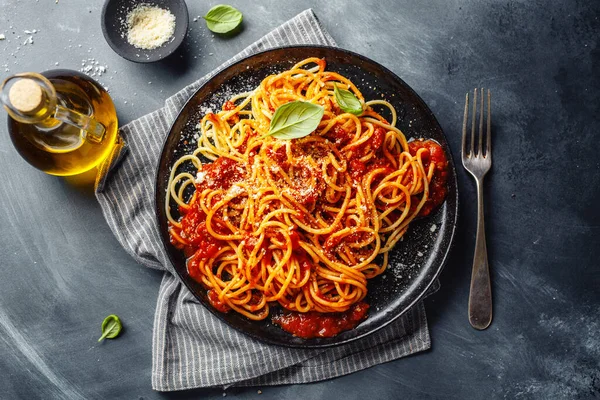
(111, 327)
(347, 101)
(295, 120)
(223, 18)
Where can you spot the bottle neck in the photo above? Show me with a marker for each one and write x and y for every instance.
(29, 98)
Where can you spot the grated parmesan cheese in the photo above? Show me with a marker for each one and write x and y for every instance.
(236, 190)
(200, 177)
(149, 27)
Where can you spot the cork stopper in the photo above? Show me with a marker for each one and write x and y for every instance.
(26, 95)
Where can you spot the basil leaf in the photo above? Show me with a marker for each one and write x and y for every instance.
(295, 120)
(223, 18)
(347, 101)
(111, 327)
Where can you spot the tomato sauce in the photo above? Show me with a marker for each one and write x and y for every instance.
(313, 324)
(228, 106)
(303, 261)
(213, 299)
(339, 135)
(438, 187)
(357, 169)
(193, 229)
(221, 174)
(193, 268)
(279, 155)
(376, 140)
(295, 239)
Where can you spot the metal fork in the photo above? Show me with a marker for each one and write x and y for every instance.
(478, 163)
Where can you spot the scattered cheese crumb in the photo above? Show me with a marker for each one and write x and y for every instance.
(90, 67)
(149, 27)
(2, 37)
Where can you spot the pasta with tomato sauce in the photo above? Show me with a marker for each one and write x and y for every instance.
(300, 223)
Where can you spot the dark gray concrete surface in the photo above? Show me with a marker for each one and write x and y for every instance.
(62, 271)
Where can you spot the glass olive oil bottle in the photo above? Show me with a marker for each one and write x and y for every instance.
(61, 121)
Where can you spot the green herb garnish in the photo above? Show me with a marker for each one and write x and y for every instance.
(295, 120)
(347, 101)
(111, 327)
(223, 18)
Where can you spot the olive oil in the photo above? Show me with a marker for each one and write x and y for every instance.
(70, 131)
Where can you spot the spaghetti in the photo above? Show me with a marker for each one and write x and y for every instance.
(305, 222)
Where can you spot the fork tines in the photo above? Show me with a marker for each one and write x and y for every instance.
(480, 139)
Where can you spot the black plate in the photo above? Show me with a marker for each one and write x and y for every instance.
(114, 13)
(415, 262)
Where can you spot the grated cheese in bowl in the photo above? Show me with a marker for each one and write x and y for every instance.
(149, 27)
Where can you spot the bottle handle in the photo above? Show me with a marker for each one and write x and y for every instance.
(91, 129)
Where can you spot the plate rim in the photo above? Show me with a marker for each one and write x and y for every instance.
(394, 316)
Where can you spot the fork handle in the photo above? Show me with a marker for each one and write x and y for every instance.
(480, 295)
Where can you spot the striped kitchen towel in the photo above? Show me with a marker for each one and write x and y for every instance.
(191, 348)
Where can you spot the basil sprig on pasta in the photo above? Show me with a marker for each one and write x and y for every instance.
(295, 120)
(223, 18)
(347, 101)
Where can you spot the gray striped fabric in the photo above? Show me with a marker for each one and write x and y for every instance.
(191, 348)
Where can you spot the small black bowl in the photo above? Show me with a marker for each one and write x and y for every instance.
(114, 28)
